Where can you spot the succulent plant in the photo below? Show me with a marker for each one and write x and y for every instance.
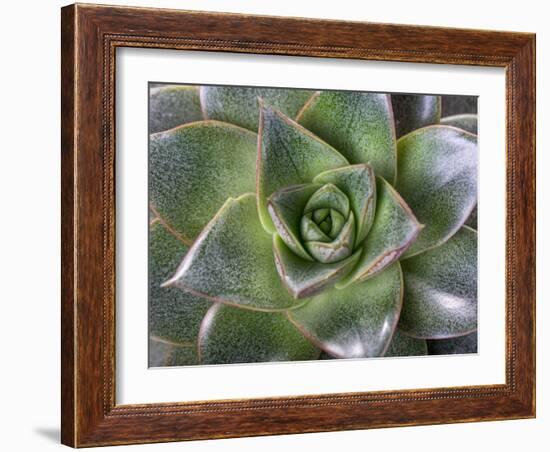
(299, 225)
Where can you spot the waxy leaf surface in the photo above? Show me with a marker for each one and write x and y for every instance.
(174, 315)
(440, 298)
(173, 105)
(304, 278)
(288, 155)
(355, 322)
(359, 184)
(194, 168)
(438, 180)
(404, 345)
(394, 230)
(286, 208)
(230, 335)
(412, 111)
(239, 105)
(359, 125)
(232, 261)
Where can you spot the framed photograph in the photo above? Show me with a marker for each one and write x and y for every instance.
(281, 225)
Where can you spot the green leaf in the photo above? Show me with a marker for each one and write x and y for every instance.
(339, 248)
(194, 168)
(173, 315)
(173, 105)
(355, 322)
(163, 353)
(230, 335)
(288, 155)
(286, 207)
(413, 111)
(358, 183)
(311, 231)
(455, 346)
(232, 261)
(359, 125)
(303, 278)
(404, 345)
(239, 105)
(467, 122)
(394, 229)
(440, 298)
(438, 180)
(329, 196)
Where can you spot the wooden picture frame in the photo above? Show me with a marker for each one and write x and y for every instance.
(90, 36)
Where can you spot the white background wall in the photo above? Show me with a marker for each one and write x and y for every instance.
(30, 269)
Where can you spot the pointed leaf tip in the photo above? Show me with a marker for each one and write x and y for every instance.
(288, 155)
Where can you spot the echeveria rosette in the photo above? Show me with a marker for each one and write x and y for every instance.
(309, 230)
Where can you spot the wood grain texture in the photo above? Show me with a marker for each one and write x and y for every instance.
(90, 36)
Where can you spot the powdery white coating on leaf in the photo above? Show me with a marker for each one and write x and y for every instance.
(239, 105)
(288, 155)
(173, 105)
(359, 184)
(303, 278)
(440, 298)
(437, 177)
(359, 125)
(230, 335)
(394, 229)
(193, 169)
(355, 322)
(232, 261)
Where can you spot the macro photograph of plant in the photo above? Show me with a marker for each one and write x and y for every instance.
(297, 225)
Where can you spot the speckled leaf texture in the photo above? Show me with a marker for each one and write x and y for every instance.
(356, 322)
(296, 225)
(394, 230)
(231, 335)
(286, 208)
(239, 105)
(288, 155)
(173, 105)
(164, 354)
(194, 168)
(413, 111)
(359, 184)
(404, 345)
(304, 278)
(440, 299)
(359, 125)
(173, 315)
(232, 261)
(437, 178)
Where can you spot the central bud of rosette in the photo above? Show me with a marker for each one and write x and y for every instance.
(321, 227)
(327, 226)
